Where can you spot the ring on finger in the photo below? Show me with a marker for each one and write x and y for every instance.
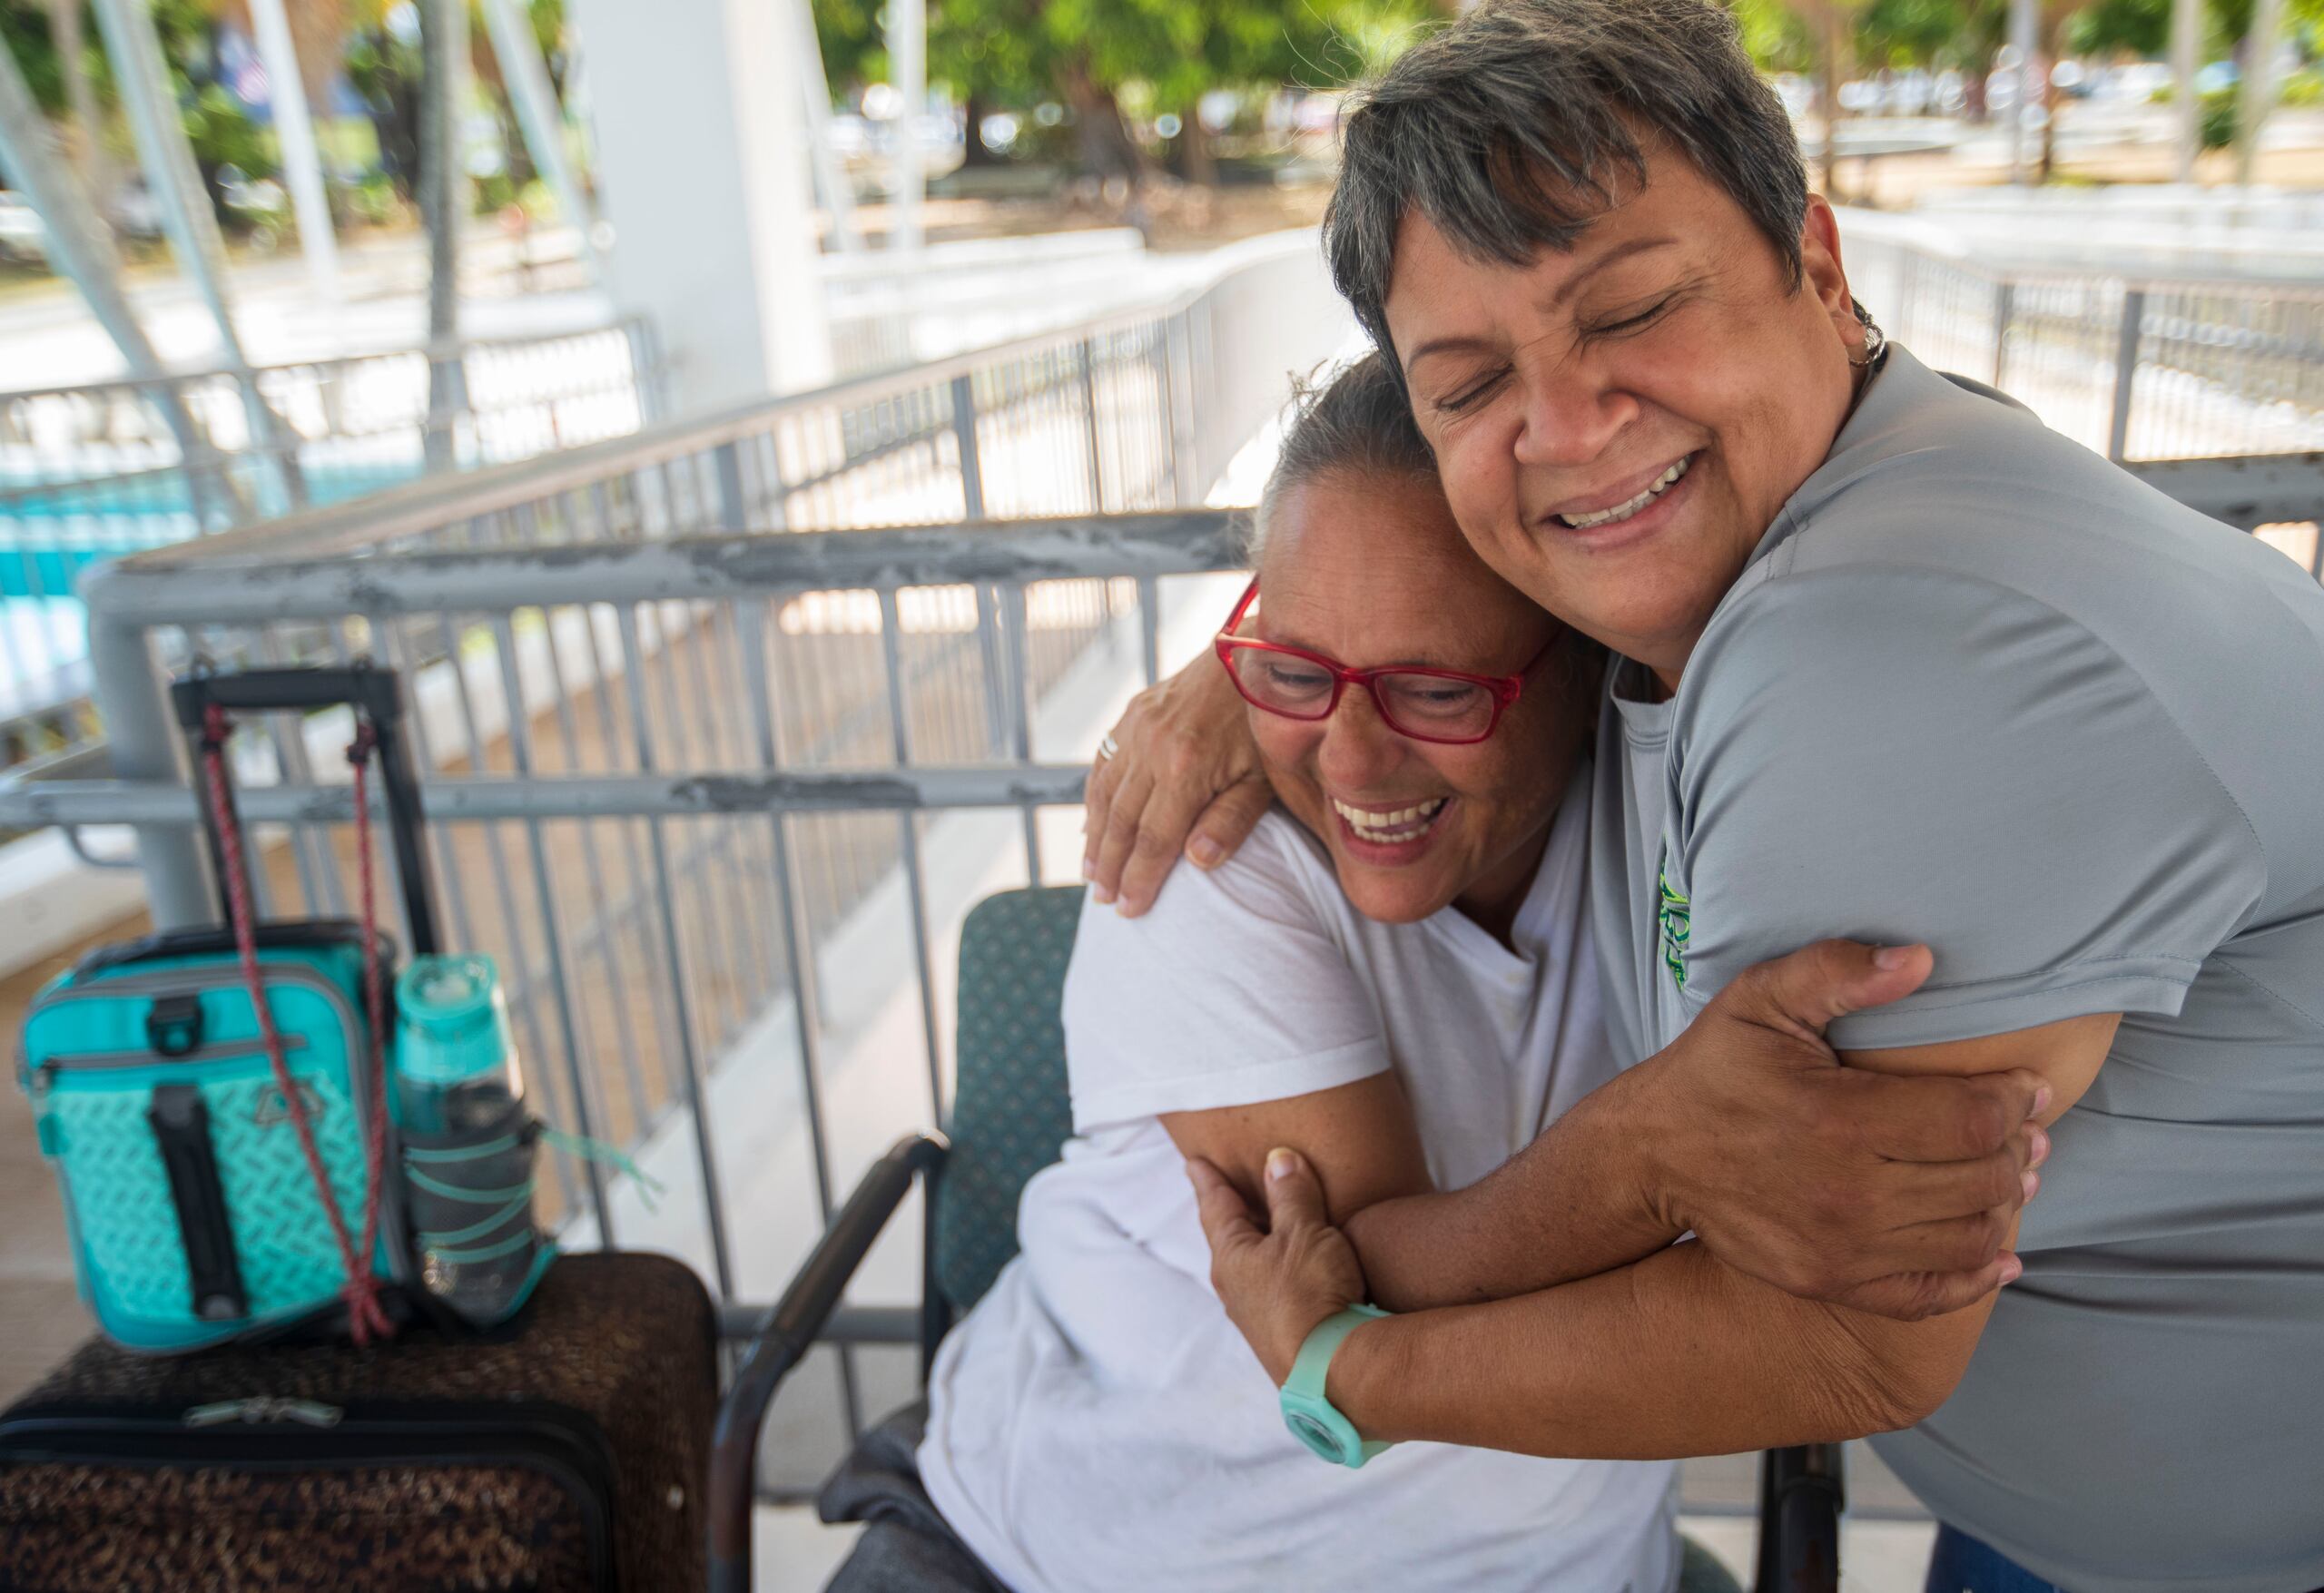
(1107, 747)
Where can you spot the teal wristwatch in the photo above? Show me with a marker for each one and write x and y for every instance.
(1310, 1416)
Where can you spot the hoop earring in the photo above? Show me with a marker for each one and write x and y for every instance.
(1876, 341)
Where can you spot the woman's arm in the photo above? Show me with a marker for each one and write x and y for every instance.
(1358, 1138)
(1678, 1354)
(1831, 1181)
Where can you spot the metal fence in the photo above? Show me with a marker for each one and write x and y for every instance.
(2136, 368)
(93, 472)
(716, 804)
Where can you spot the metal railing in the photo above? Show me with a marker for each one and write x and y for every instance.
(94, 471)
(2136, 367)
(723, 904)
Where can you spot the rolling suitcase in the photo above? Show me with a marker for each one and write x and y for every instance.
(564, 1453)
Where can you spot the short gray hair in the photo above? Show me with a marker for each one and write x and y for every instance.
(1503, 128)
(1356, 419)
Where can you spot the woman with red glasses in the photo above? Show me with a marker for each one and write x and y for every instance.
(1391, 973)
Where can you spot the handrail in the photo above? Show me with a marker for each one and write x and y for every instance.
(1923, 235)
(145, 592)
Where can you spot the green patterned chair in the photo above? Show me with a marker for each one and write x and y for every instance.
(1011, 1113)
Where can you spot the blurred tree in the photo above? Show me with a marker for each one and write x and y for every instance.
(86, 125)
(1961, 35)
(1830, 26)
(28, 33)
(220, 130)
(1091, 54)
(1775, 34)
(382, 57)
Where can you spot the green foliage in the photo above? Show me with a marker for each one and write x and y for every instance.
(2217, 120)
(222, 134)
(491, 193)
(1935, 33)
(1014, 52)
(24, 35)
(848, 31)
(1775, 33)
(373, 198)
(384, 71)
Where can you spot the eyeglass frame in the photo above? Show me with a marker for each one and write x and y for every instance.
(1505, 688)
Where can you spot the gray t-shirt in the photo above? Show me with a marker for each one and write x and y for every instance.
(1980, 688)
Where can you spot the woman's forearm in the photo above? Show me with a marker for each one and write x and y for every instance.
(1676, 1355)
(1570, 1206)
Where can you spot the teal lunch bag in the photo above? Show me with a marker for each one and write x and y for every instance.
(195, 1216)
(197, 1210)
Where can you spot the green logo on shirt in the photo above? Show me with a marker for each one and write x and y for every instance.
(1676, 922)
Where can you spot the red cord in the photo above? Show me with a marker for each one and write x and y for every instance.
(365, 1316)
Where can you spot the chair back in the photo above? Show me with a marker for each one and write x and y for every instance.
(1011, 1111)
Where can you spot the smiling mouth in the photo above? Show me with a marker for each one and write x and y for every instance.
(1396, 825)
(1623, 511)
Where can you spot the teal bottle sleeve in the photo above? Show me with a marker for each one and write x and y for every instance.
(1310, 1416)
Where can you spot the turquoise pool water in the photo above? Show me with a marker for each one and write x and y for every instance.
(47, 537)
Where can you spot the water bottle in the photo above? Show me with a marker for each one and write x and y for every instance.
(466, 1137)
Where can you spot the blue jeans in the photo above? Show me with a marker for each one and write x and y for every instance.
(1960, 1564)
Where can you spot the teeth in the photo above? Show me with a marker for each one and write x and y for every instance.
(1623, 511)
(1402, 824)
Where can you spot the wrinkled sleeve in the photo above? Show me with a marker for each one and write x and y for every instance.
(1232, 990)
(1901, 755)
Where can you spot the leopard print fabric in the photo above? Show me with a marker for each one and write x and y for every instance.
(130, 1529)
(629, 1340)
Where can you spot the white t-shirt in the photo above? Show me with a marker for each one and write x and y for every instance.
(1097, 1422)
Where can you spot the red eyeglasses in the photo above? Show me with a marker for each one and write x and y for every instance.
(1442, 705)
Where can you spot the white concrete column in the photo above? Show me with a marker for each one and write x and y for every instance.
(295, 129)
(2186, 112)
(2032, 83)
(2261, 46)
(831, 177)
(540, 119)
(703, 175)
(908, 67)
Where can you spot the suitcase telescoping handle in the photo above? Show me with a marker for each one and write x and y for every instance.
(376, 695)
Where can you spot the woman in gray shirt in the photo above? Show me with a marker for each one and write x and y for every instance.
(1899, 664)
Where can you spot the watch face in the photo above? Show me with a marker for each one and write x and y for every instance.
(1313, 1434)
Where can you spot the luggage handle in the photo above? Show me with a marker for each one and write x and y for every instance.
(180, 1120)
(376, 695)
(362, 685)
(198, 703)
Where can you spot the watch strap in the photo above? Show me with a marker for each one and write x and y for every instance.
(1314, 1358)
(1312, 1366)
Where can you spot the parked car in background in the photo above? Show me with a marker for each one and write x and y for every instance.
(22, 239)
(135, 212)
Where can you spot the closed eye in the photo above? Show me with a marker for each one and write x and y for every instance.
(1471, 394)
(1637, 322)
